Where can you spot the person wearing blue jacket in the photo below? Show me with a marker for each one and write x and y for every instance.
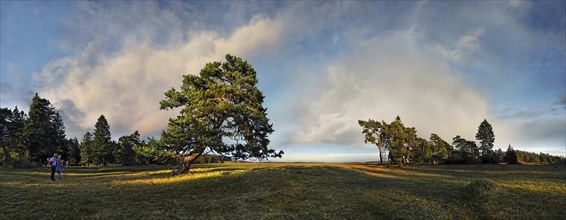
(53, 162)
(59, 168)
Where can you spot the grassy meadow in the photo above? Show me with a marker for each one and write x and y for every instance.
(287, 191)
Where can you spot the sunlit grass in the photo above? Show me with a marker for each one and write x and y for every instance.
(285, 191)
(165, 178)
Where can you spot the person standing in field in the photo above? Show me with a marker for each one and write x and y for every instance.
(59, 168)
(53, 163)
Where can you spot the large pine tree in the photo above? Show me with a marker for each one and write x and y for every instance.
(222, 102)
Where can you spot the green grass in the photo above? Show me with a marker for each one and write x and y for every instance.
(287, 191)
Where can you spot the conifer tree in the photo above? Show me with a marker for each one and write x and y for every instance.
(102, 147)
(86, 149)
(486, 137)
(39, 131)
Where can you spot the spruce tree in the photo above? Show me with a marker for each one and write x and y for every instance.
(38, 130)
(57, 135)
(102, 147)
(16, 141)
(486, 137)
(86, 149)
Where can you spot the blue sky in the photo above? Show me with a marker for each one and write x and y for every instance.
(442, 66)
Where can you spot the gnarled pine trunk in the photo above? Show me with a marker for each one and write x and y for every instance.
(185, 164)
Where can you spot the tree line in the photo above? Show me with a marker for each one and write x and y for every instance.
(399, 144)
(27, 140)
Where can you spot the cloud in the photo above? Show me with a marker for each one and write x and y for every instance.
(562, 100)
(546, 135)
(385, 77)
(467, 44)
(125, 78)
(14, 88)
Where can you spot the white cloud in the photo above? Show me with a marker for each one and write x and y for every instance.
(385, 77)
(467, 44)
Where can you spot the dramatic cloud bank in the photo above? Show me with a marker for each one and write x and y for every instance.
(386, 77)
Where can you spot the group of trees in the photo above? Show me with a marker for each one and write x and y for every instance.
(513, 156)
(27, 140)
(404, 146)
(402, 143)
(98, 148)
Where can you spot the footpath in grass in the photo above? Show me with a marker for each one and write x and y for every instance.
(287, 191)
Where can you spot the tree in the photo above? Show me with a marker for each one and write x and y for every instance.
(38, 130)
(373, 133)
(17, 141)
(440, 149)
(102, 147)
(511, 155)
(127, 144)
(486, 137)
(422, 153)
(223, 101)
(74, 155)
(467, 151)
(86, 149)
(398, 139)
(5, 120)
(500, 155)
(57, 134)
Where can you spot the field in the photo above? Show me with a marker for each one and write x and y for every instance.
(287, 191)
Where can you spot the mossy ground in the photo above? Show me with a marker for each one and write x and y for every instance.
(287, 191)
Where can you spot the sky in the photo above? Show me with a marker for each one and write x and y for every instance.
(442, 66)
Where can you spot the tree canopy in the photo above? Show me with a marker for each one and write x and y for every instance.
(221, 103)
(374, 132)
